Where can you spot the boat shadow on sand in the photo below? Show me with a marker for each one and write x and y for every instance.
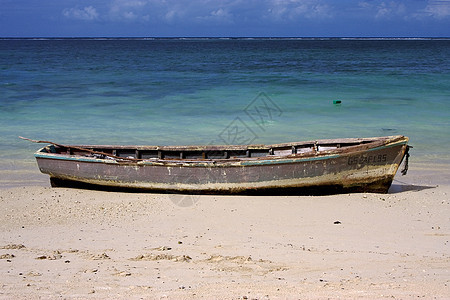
(395, 188)
(401, 187)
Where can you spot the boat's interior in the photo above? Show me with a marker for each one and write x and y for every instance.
(204, 152)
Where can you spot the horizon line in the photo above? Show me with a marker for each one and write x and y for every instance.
(229, 37)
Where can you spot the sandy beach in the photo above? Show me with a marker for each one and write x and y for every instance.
(82, 244)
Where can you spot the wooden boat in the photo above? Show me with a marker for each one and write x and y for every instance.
(311, 167)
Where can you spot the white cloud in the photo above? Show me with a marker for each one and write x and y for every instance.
(129, 15)
(127, 9)
(171, 15)
(294, 9)
(88, 13)
(383, 9)
(198, 11)
(228, 12)
(224, 11)
(126, 4)
(437, 8)
(389, 9)
(169, 12)
(219, 15)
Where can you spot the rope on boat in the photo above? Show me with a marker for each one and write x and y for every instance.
(82, 149)
(405, 167)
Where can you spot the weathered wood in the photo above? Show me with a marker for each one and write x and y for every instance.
(345, 164)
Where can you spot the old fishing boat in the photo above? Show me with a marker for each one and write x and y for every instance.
(311, 167)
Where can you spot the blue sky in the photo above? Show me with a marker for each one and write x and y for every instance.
(262, 18)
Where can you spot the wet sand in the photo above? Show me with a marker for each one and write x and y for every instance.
(82, 244)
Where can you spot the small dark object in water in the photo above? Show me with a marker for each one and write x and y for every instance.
(337, 101)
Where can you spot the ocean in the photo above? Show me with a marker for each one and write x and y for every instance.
(219, 91)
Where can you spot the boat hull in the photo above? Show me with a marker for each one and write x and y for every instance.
(364, 170)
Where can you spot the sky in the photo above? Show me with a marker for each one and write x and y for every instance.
(226, 18)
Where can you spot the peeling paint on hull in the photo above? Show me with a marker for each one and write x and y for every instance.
(363, 169)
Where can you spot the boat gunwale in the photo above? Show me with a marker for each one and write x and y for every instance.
(357, 141)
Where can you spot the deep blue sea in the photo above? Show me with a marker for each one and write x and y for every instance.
(222, 91)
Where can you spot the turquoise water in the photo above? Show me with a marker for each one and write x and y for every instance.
(201, 91)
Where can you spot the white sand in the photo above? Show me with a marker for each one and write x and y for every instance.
(80, 244)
